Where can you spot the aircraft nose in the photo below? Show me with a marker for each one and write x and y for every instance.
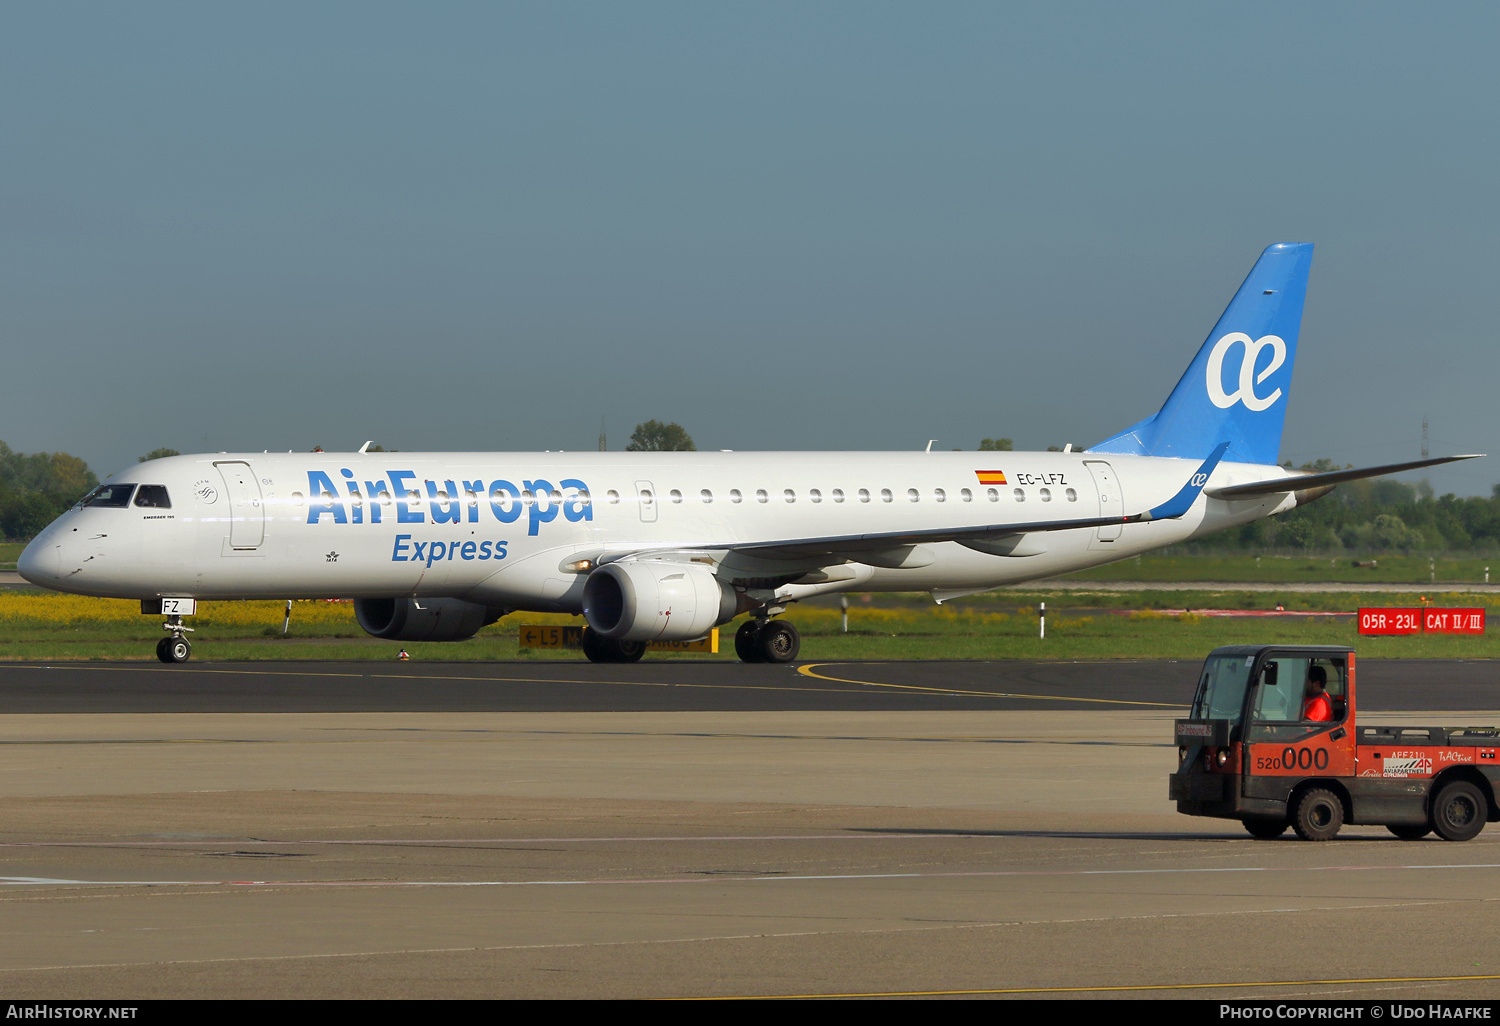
(41, 561)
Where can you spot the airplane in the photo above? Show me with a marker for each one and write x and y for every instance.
(666, 545)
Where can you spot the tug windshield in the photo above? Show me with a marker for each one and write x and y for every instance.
(1221, 688)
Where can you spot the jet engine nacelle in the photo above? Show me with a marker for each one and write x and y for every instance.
(653, 600)
(427, 619)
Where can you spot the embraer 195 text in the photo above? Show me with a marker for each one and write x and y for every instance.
(648, 546)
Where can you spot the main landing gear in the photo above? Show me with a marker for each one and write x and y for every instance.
(174, 648)
(767, 641)
(603, 650)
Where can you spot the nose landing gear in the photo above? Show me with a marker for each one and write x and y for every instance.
(174, 648)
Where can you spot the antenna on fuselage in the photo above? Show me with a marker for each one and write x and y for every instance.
(602, 447)
(366, 446)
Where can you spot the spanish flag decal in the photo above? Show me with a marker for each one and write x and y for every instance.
(990, 477)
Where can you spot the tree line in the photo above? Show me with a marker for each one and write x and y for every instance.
(1377, 515)
(36, 487)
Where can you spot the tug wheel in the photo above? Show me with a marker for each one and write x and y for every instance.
(1266, 829)
(1409, 831)
(1319, 815)
(1459, 812)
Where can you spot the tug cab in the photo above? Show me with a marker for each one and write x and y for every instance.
(1272, 741)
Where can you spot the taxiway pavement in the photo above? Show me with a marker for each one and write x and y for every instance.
(719, 685)
(466, 844)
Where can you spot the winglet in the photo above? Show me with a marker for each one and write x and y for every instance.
(1180, 503)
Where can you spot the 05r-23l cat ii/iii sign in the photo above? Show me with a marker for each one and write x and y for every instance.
(664, 546)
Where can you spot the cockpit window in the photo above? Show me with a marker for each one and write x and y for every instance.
(154, 496)
(109, 495)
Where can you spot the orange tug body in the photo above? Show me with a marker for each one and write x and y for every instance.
(1248, 752)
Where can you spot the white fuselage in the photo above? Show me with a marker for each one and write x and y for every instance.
(520, 530)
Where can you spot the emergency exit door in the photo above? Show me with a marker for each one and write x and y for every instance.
(1111, 504)
(645, 496)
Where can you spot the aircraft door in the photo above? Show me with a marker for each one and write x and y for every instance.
(645, 495)
(1110, 501)
(247, 510)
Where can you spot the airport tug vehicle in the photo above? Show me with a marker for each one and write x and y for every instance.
(1273, 742)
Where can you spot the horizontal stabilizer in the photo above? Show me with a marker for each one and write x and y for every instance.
(1301, 482)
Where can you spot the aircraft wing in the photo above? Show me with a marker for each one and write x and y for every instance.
(1301, 482)
(852, 544)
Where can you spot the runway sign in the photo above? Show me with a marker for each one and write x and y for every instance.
(566, 636)
(1421, 620)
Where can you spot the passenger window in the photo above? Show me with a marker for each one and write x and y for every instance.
(994, 496)
(1018, 495)
(912, 495)
(1072, 495)
(761, 496)
(675, 495)
(706, 495)
(789, 495)
(838, 495)
(613, 497)
(885, 495)
(153, 496)
(734, 495)
(1045, 494)
(939, 495)
(864, 495)
(813, 495)
(966, 495)
(111, 495)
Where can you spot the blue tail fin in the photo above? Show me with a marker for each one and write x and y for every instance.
(1236, 388)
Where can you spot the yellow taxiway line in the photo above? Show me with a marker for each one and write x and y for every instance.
(808, 670)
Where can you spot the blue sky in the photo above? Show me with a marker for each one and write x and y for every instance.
(799, 226)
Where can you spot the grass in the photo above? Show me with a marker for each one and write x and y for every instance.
(47, 626)
(1166, 566)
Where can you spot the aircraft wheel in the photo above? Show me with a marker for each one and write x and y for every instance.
(161, 650)
(1409, 831)
(1319, 815)
(1266, 829)
(1459, 812)
(779, 642)
(606, 650)
(595, 647)
(177, 650)
(745, 642)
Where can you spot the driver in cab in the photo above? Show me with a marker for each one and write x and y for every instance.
(1316, 704)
